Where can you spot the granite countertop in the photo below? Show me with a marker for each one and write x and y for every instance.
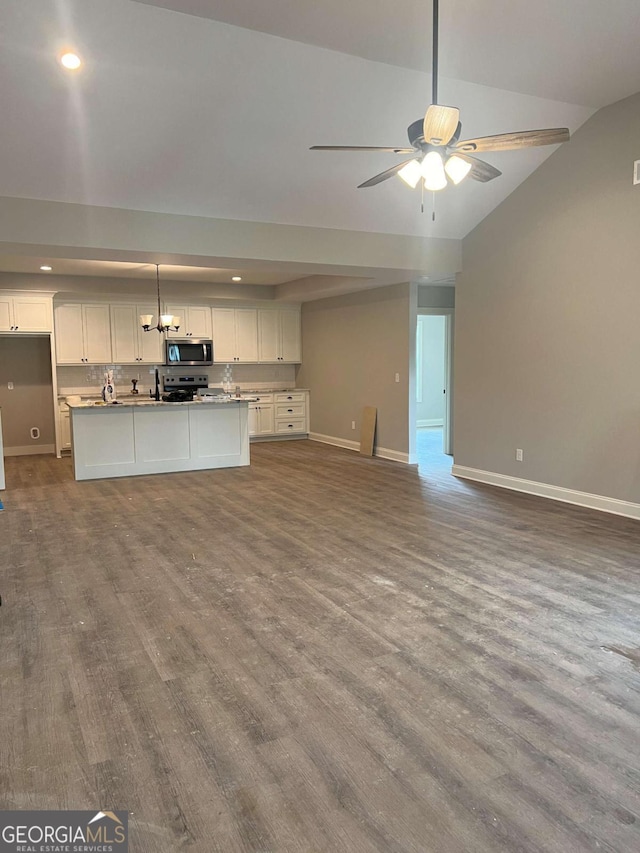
(98, 405)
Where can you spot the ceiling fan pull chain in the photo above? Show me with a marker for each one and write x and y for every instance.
(433, 207)
(421, 196)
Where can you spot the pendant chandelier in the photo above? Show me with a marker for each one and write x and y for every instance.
(166, 322)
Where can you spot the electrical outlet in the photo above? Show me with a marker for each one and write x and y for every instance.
(636, 172)
(397, 377)
(10, 386)
(519, 455)
(353, 424)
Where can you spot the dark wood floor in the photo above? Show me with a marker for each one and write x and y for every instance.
(317, 653)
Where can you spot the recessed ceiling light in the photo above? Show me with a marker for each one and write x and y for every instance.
(236, 278)
(46, 268)
(70, 61)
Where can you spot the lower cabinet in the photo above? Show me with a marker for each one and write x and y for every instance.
(65, 426)
(279, 413)
(261, 419)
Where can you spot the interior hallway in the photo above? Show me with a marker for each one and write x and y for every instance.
(320, 652)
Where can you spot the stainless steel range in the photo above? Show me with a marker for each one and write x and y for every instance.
(181, 389)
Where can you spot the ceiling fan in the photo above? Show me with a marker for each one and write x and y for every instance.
(437, 151)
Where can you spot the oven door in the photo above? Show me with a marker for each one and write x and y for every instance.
(190, 351)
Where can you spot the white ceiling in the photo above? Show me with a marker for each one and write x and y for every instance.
(214, 116)
(545, 48)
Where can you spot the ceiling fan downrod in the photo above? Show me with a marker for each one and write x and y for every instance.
(434, 58)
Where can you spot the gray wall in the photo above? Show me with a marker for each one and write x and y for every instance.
(352, 347)
(547, 353)
(430, 404)
(27, 363)
(436, 296)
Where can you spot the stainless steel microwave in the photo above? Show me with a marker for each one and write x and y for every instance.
(190, 352)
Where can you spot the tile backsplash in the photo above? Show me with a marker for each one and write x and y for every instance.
(89, 378)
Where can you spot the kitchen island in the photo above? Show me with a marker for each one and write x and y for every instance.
(154, 437)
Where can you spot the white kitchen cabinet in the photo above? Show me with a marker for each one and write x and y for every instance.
(83, 333)
(129, 342)
(277, 414)
(261, 420)
(279, 335)
(291, 412)
(65, 426)
(25, 313)
(195, 321)
(235, 335)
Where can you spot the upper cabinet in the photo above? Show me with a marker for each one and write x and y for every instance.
(19, 313)
(83, 333)
(103, 333)
(195, 321)
(235, 335)
(129, 342)
(279, 335)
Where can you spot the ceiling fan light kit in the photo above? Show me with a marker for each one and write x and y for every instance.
(432, 169)
(411, 173)
(457, 169)
(440, 156)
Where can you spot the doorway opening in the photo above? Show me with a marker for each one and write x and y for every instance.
(433, 381)
(26, 395)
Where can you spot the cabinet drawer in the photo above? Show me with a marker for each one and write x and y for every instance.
(292, 397)
(292, 425)
(261, 398)
(293, 410)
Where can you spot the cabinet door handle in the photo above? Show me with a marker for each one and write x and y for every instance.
(289, 398)
(290, 410)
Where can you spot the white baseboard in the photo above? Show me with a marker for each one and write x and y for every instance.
(30, 450)
(544, 490)
(382, 452)
(433, 422)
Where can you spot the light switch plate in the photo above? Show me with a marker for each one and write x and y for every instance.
(636, 172)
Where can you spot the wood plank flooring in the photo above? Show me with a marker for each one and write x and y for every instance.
(320, 653)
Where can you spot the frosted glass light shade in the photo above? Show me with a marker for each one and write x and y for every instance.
(457, 168)
(433, 172)
(166, 319)
(176, 322)
(411, 173)
(146, 319)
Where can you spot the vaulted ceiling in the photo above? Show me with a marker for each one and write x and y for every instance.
(207, 108)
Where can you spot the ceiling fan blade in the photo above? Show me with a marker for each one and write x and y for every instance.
(517, 139)
(480, 170)
(361, 148)
(383, 176)
(440, 124)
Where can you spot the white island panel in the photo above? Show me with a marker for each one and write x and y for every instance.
(162, 434)
(105, 442)
(223, 441)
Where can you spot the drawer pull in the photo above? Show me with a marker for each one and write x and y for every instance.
(290, 410)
